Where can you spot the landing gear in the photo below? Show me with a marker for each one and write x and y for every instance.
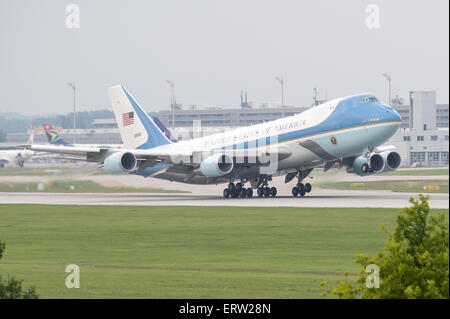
(301, 189)
(237, 190)
(265, 191)
(273, 191)
(260, 192)
(308, 187)
(295, 191)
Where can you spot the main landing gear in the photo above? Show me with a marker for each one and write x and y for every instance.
(267, 191)
(237, 191)
(301, 189)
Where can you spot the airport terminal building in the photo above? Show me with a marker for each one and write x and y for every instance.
(423, 136)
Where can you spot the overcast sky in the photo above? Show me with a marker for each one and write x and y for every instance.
(212, 49)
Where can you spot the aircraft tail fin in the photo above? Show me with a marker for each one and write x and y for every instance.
(53, 136)
(137, 129)
(31, 138)
(164, 129)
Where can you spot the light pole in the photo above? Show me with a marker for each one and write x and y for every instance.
(173, 101)
(315, 96)
(388, 79)
(281, 81)
(74, 88)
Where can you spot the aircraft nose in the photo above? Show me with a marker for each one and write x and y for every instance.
(390, 114)
(395, 116)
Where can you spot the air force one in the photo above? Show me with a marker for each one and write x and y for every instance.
(343, 132)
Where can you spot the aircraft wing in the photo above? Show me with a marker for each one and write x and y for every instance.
(91, 154)
(173, 155)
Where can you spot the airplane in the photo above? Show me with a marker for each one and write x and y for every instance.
(16, 157)
(163, 129)
(54, 138)
(346, 131)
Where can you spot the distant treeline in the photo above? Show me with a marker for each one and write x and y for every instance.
(15, 123)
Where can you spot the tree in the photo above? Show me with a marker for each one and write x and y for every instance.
(414, 262)
(12, 288)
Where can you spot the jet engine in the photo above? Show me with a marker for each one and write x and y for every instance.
(367, 165)
(121, 162)
(392, 160)
(216, 165)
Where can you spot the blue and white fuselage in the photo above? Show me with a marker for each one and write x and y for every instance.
(342, 128)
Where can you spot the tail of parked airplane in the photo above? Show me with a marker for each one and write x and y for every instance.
(137, 129)
(53, 136)
(31, 138)
(164, 129)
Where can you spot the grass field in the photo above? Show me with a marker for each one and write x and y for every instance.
(418, 172)
(73, 186)
(187, 252)
(408, 186)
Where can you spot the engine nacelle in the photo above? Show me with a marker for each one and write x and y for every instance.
(216, 165)
(121, 162)
(392, 160)
(367, 165)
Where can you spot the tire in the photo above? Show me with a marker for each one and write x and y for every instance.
(243, 193)
(308, 187)
(295, 191)
(239, 186)
(231, 187)
(301, 190)
(266, 191)
(249, 192)
(260, 192)
(226, 193)
(234, 194)
(273, 191)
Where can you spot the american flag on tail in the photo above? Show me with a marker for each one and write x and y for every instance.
(128, 118)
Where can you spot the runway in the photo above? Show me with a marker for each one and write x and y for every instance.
(319, 198)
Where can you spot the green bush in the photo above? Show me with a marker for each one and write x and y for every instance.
(414, 262)
(12, 288)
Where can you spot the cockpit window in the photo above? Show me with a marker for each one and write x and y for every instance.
(369, 99)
